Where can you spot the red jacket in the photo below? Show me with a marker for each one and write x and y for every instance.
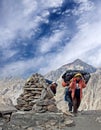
(81, 85)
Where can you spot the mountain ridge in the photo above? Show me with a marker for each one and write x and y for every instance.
(75, 65)
(12, 88)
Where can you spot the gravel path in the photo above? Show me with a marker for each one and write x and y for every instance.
(88, 120)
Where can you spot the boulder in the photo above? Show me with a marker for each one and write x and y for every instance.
(38, 121)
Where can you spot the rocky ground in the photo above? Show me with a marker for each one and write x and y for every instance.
(87, 120)
(36, 121)
(90, 120)
(37, 109)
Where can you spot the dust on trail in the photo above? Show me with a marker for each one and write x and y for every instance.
(87, 120)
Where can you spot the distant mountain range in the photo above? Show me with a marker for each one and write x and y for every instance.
(12, 88)
(75, 65)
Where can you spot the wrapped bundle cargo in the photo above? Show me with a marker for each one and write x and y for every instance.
(69, 74)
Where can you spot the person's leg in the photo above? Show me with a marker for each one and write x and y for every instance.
(78, 102)
(70, 104)
(75, 105)
(66, 94)
(70, 101)
(68, 98)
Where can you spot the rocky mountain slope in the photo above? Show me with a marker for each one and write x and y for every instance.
(10, 89)
(92, 99)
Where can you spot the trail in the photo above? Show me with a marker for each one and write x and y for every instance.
(88, 120)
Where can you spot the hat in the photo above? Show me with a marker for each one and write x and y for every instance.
(78, 75)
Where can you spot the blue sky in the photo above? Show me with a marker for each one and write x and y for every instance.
(42, 35)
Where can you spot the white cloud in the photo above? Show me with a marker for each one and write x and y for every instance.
(20, 17)
(19, 68)
(30, 6)
(50, 3)
(14, 20)
(85, 44)
(9, 53)
(85, 6)
(47, 43)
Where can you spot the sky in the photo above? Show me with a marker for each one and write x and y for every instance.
(42, 35)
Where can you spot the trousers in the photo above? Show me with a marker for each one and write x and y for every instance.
(68, 98)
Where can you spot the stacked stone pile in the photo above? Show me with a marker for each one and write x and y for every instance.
(37, 96)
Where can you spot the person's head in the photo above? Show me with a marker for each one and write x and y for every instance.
(54, 84)
(78, 77)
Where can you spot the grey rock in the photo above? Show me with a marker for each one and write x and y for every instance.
(98, 119)
(20, 101)
(1, 128)
(52, 108)
(43, 94)
(37, 108)
(69, 123)
(31, 128)
(5, 109)
(31, 121)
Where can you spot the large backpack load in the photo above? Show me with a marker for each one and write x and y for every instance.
(69, 74)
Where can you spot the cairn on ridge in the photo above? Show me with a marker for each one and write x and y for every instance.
(37, 96)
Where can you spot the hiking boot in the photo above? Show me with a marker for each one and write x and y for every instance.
(68, 113)
(75, 114)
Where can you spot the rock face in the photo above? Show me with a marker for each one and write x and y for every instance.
(37, 96)
(10, 89)
(91, 96)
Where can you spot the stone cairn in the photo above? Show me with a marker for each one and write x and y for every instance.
(37, 96)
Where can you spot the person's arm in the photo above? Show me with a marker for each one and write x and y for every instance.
(72, 83)
(64, 84)
(83, 83)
